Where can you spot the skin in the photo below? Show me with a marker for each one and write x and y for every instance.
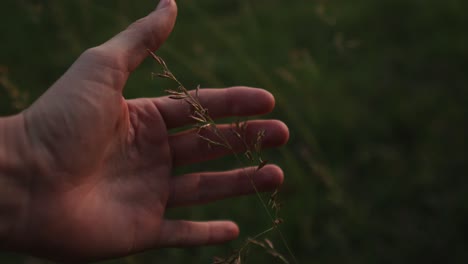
(87, 175)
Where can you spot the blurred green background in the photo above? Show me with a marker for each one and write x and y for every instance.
(374, 92)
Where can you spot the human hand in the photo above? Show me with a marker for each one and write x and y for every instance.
(100, 167)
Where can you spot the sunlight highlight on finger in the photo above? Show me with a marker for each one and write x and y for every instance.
(199, 188)
(179, 233)
(234, 101)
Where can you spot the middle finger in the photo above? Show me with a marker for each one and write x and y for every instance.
(188, 147)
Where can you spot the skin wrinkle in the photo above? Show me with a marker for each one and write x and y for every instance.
(27, 160)
(227, 99)
(132, 130)
(150, 114)
(43, 169)
(101, 58)
(24, 218)
(211, 235)
(40, 167)
(135, 128)
(154, 42)
(199, 194)
(92, 108)
(179, 189)
(123, 127)
(149, 42)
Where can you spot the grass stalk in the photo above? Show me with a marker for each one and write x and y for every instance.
(205, 122)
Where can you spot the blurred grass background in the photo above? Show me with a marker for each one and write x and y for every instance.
(374, 92)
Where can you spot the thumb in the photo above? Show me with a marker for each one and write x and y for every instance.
(130, 46)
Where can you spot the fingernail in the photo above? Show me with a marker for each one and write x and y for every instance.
(163, 3)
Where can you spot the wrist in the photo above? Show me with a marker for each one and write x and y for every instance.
(13, 178)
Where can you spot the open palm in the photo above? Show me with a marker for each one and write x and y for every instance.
(103, 164)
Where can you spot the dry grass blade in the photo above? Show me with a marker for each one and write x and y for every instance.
(212, 142)
(262, 164)
(252, 153)
(269, 243)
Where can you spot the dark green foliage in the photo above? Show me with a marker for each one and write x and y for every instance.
(374, 92)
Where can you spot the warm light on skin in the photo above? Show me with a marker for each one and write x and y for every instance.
(87, 175)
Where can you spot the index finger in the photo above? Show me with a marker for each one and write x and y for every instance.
(234, 101)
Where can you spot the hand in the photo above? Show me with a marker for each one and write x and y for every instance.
(99, 178)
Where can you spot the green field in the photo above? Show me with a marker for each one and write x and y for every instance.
(375, 94)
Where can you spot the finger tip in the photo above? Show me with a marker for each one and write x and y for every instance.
(263, 99)
(278, 175)
(231, 230)
(167, 4)
(269, 101)
(280, 134)
(272, 177)
(284, 131)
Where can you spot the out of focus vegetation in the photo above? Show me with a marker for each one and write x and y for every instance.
(375, 94)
